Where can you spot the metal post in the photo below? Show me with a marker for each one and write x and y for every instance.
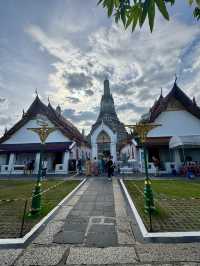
(36, 199)
(148, 193)
(43, 132)
(23, 218)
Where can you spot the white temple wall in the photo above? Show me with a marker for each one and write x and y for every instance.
(26, 136)
(176, 123)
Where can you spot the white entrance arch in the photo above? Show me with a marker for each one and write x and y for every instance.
(113, 138)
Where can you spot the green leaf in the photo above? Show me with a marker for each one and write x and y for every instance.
(162, 7)
(116, 3)
(198, 3)
(99, 2)
(151, 14)
(123, 17)
(110, 7)
(145, 9)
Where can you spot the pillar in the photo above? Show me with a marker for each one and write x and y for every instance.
(66, 161)
(177, 159)
(37, 162)
(11, 163)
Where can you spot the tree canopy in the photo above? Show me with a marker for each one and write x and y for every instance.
(135, 12)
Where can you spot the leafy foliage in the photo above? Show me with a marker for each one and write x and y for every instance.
(135, 12)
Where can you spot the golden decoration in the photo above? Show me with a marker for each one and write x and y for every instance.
(142, 129)
(43, 132)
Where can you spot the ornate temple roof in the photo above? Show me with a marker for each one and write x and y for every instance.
(38, 107)
(108, 115)
(162, 104)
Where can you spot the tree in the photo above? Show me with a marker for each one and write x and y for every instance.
(135, 12)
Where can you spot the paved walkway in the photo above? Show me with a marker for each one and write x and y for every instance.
(92, 220)
(93, 228)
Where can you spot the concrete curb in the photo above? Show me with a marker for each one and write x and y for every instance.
(182, 236)
(13, 241)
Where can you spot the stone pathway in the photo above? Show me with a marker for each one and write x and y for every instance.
(92, 220)
(93, 228)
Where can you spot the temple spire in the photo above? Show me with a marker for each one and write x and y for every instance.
(106, 87)
(175, 81)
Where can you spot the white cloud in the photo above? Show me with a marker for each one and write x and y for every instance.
(138, 64)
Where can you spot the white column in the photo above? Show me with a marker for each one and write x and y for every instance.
(11, 163)
(177, 159)
(66, 161)
(94, 150)
(37, 162)
(113, 151)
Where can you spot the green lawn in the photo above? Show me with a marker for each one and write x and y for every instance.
(171, 188)
(11, 212)
(177, 203)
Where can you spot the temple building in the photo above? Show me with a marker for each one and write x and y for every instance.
(177, 139)
(63, 146)
(108, 133)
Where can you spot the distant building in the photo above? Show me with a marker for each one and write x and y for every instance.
(108, 133)
(20, 145)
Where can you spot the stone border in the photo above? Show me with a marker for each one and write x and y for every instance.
(192, 235)
(11, 241)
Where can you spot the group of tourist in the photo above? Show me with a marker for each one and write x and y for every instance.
(190, 169)
(29, 167)
(97, 167)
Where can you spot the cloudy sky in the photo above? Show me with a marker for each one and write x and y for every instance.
(66, 48)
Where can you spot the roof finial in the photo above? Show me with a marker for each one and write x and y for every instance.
(48, 99)
(5, 131)
(36, 92)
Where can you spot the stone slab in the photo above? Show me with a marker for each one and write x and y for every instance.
(102, 228)
(46, 237)
(111, 255)
(8, 256)
(101, 239)
(75, 227)
(69, 237)
(169, 252)
(62, 213)
(41, 256)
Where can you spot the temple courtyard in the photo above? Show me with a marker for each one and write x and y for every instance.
(95, 226)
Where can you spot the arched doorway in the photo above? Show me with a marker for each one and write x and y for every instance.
(103, 145)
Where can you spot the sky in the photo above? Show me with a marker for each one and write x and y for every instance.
(66, 49)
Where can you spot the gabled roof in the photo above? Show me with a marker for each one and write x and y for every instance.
(162, 103)
(38, 107)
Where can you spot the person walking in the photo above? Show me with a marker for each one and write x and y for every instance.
(95, 167)
(110, 167)
(156, 163)
(88, 167)
(79, 167)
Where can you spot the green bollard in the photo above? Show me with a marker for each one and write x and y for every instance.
(36, 199)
